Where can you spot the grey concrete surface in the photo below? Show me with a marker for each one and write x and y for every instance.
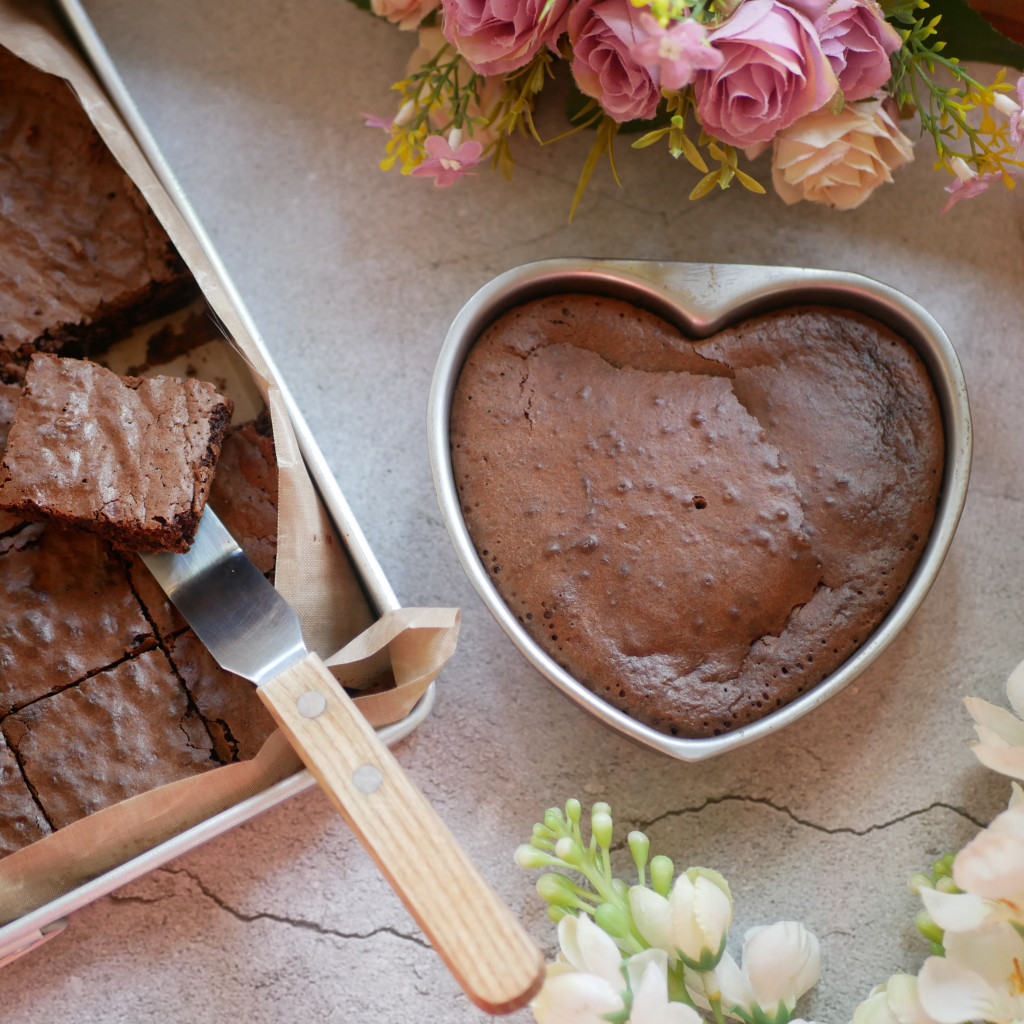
(352, 277)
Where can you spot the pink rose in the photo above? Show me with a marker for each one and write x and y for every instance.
(773, 74)
(839, 159)
(858, 40)
(812, 10)
(404, 13)
(497, 37)
(603, 36)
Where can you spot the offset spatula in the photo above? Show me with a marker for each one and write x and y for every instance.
(251, 630)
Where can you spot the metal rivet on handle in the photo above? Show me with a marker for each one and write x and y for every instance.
(311, 704)
(367, 778)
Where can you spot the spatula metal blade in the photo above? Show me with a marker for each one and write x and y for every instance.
(235, 611)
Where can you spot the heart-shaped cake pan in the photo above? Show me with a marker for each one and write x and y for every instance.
(700, 300)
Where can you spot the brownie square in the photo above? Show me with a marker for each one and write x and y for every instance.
(118, 733)
(130, 458)
(66, 609)
(82, 257)
(235, 716)
(244, 493)
(21, 821)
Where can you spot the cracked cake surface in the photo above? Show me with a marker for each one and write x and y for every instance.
(697, 531)
(129, 458)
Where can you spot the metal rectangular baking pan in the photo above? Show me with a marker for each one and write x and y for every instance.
(700, 299)
(26, 933)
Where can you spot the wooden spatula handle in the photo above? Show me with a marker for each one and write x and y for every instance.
(485, 947)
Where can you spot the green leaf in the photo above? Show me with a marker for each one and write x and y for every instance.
(363, 5)
(971, 37)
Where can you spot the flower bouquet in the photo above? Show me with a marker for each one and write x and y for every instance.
(825, 84)
(655, 950)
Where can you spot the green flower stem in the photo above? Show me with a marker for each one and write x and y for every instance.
(716, 1009)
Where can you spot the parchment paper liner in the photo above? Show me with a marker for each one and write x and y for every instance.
(395, 657)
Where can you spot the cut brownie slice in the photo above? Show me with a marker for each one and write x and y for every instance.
(9, 395)
(245, 492)
(235, 716)
(82, 258)
(66, 609)
(116, 734)
(130, 458)
(21, 821)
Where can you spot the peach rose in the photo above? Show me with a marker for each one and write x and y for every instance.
(839, 159)
(773, 74)
(603, 36)
(497, 37)
(404, 13)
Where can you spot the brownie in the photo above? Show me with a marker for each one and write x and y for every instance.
(21, 820)
(92, 708)
(130, 458)
(244, 492)
(118, 733)
(82, 257)
(236, 718)
(66, 609)
(9, 395)
(76, 614)
(698, 532)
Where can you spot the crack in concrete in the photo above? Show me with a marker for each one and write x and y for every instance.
(295, 922)
(807, 823)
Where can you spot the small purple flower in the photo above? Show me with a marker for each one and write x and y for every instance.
(373, 121)
(676, 52)
(445, 162)
(968, 184)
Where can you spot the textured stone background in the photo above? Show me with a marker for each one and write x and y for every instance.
(352, 277)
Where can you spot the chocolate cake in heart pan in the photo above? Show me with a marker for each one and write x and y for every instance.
(104, 691)
(699, 532)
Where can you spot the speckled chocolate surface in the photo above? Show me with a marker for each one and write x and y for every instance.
(118, 733)
(698, 532)
(129, 458)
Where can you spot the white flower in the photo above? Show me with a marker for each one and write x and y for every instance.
(979, 978)
(780, 964)
(586, 982)
(895, 1002)
(589, 980)
(568, 997)
(990, 871)
(838, 159)
(692, 923)
(648, 981)
(590, 949)
(1000, 744)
